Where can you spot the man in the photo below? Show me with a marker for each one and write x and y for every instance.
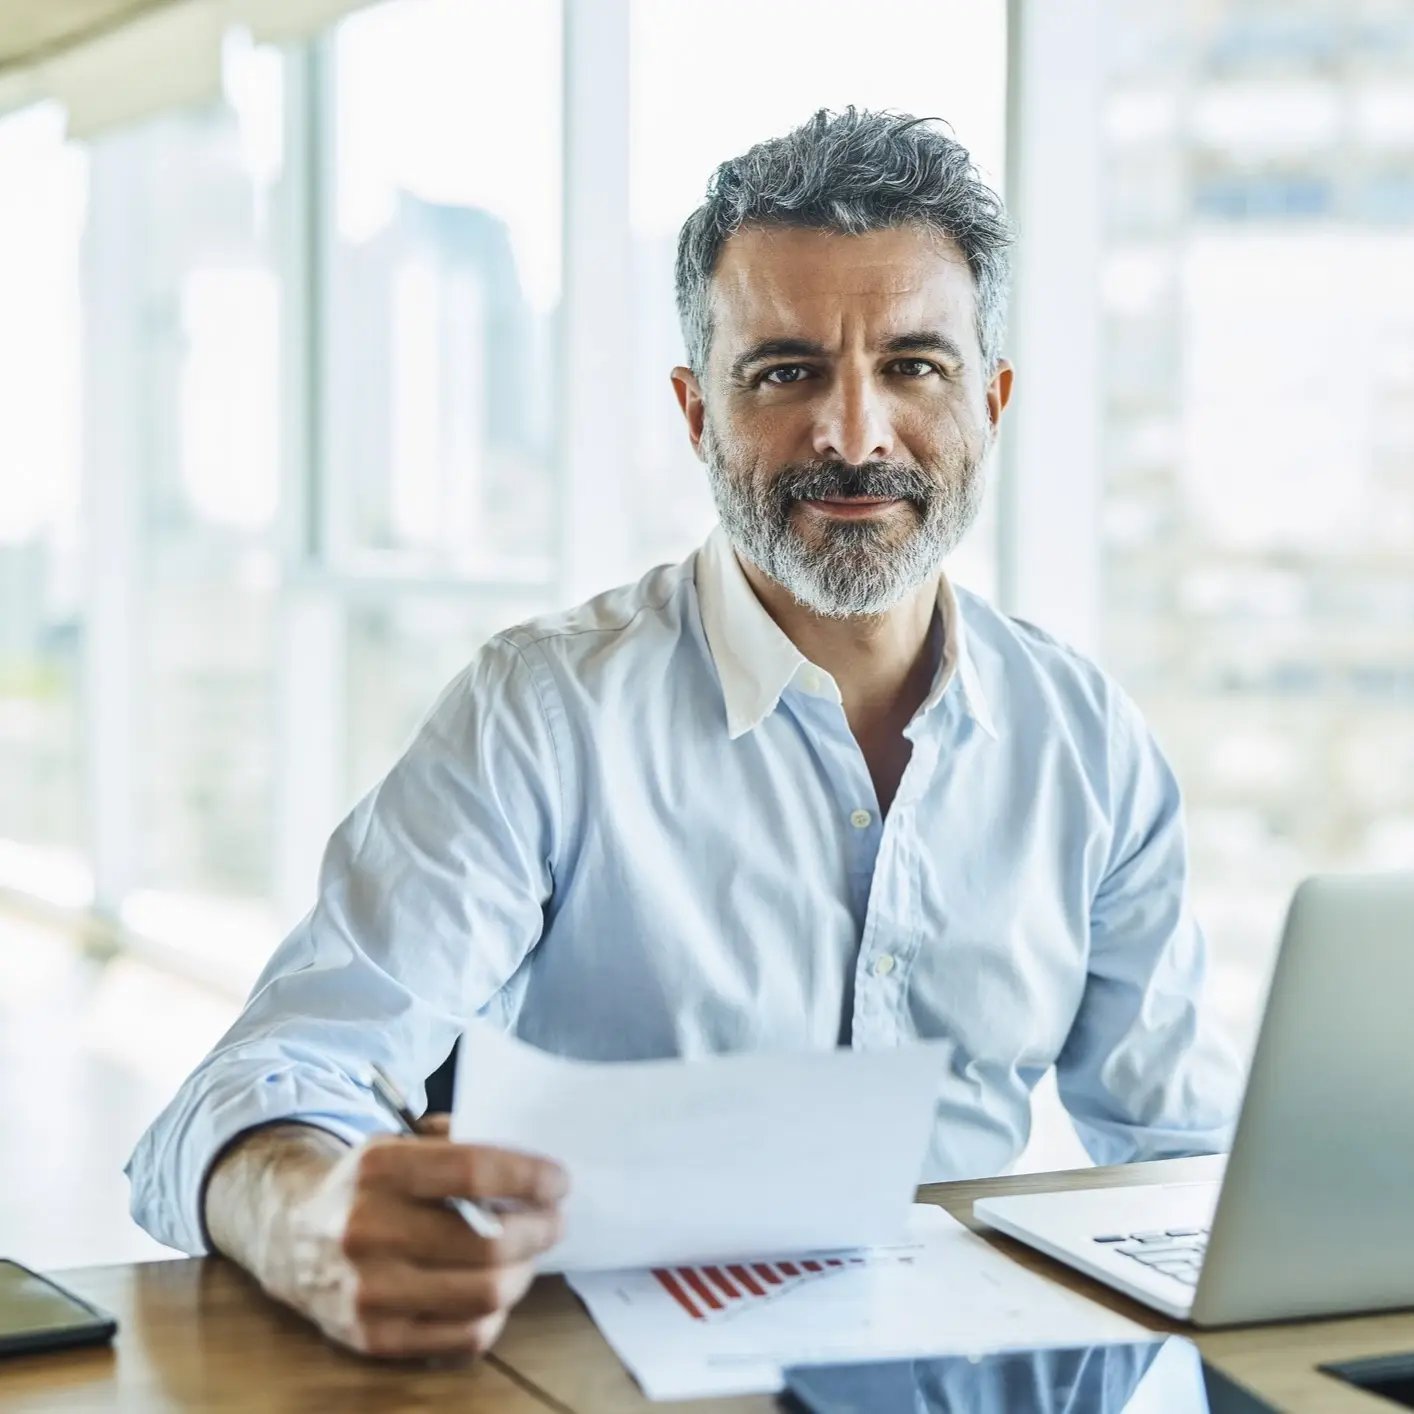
(796, 792)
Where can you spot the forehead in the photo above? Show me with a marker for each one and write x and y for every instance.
(782, 281)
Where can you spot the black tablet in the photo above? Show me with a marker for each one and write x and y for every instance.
(1148, 1377)
(38, 1314)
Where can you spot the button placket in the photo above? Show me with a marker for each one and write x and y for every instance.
(904, 938)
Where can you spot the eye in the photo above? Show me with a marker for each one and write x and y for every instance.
(914, 367)
(784, 373)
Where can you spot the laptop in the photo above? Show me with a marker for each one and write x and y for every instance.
(1314, 1213)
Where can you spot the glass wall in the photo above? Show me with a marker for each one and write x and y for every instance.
(712, 77)
(237, 382)
(192, 199)
(445, 277)
(402, 652)
(43, 189)
(1259, 410)
(293, 604)
(444, 283)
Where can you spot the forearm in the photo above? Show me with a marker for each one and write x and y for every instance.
(254, 1185)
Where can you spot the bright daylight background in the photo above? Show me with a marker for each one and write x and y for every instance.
(267, 479)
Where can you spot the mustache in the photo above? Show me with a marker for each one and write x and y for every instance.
(891, 481)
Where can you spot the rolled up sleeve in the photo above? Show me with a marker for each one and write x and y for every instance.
(431, 896)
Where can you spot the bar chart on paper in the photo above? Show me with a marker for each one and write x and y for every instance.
(716, 1293)
(729, 1327)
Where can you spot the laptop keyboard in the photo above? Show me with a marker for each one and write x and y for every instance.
(1177, 1252)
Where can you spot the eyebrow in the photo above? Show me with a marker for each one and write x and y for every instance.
(925, 341)
(777, 348)
(915, 341)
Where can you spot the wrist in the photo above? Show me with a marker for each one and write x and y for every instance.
(255, 1180)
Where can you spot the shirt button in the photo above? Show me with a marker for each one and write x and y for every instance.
(860, 819)
(811, 682)
(884, 965)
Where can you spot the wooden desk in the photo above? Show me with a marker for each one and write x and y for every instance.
(199, 1335)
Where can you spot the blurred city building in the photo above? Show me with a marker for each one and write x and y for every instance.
(1258, 385)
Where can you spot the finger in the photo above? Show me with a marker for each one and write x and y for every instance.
(430, 1235)
(437, 1126)
(396, 1288)
(438, 1168)
(407, 1338)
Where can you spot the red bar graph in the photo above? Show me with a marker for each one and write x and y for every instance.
(707, 1293)
(693, 1278)
(669, 1283)
(719, 1279)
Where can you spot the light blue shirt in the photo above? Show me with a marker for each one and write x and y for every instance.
(643, 828)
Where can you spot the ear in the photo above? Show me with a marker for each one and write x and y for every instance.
(999, 392)
(694, 409)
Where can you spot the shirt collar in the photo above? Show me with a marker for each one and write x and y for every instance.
(756, 662)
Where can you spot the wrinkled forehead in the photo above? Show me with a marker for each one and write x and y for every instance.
(787, 282)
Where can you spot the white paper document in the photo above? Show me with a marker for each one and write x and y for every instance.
(688, 1160)
(696, 1331)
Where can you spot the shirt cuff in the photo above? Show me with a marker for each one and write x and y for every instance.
(223, 1100)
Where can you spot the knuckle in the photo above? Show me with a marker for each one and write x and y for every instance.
(493, 1252)
(481, 1336)
(551, 1184)
(500, 1289)
(482, 1295)
(372, 1165)
(553, 1229)
(386, 1339)
(550, 1230)
(364, 1337)
(380, 1340)
(479, 1166)
(510, 1286)
(533, 1233)
(360, 1234)
(364, 1299)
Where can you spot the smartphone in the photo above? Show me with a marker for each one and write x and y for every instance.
(38, 1314)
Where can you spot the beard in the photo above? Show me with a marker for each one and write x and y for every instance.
(846, 568)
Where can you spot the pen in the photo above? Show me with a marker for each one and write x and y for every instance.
(482, 1223)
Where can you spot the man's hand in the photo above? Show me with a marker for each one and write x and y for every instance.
(361, 1241)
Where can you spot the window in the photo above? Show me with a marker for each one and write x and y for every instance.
(712, 77)
(309, 358)
(182, 321)
(440, 353)
(401, 653)
(304, 350)
(43, 818)
(1259, 468)
(444, 284)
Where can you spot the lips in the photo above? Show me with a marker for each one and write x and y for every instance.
(851, 507)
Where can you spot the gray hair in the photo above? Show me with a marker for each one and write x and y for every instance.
(849, 172)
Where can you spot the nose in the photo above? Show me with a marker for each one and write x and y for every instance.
(852, 423)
